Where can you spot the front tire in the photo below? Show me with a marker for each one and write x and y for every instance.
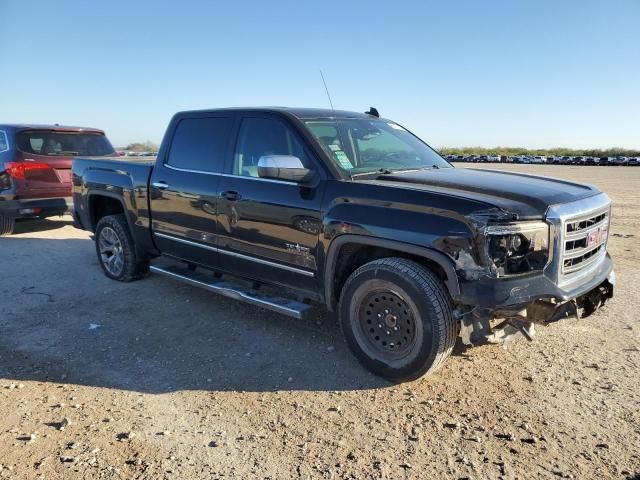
(116, 250)
(7, 225)
(397, 318)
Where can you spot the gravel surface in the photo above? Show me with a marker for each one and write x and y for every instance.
(155, 379)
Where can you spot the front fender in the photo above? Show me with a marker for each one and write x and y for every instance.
(431, 254)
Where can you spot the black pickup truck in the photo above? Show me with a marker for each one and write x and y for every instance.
(283, 208)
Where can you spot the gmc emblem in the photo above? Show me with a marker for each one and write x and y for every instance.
(597, 236)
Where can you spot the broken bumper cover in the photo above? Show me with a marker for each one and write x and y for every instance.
(523, 302)
(511, 295)
(496, 319)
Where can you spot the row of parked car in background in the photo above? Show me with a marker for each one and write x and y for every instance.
(122, 153)
(542, 159)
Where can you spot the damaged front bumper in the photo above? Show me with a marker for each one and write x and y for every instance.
(501, 310)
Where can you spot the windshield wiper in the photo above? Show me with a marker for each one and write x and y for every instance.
(381, 171)
(388, 171)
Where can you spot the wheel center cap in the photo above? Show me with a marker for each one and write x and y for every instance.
(390, 320)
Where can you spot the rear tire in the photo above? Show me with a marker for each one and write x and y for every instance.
(6, 225)
(397, 318)
(116, 250)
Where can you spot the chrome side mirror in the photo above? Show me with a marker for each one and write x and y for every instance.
(283, 167)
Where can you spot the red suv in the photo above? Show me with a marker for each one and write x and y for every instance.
(35, 168)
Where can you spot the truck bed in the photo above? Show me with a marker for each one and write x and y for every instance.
(141, 160)
(125, 162)
(136, 168)
(123, 178)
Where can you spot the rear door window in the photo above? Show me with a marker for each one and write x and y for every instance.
(199, 144)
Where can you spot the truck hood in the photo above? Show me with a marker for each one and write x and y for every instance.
(524, 196)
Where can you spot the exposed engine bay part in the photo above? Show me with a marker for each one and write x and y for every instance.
(477, 328)
(511, 330)
(596, 298)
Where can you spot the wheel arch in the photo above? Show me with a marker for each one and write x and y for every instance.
(433, 259)
(107, 208)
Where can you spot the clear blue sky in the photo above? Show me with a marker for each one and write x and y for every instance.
(538, 73)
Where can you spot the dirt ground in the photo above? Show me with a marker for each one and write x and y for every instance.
(155, 380)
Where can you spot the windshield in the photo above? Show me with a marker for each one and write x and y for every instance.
(361, 145)
(47, 142)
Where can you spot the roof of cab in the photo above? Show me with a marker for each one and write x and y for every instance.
(323, 113)
(55, 127)
(302, 113)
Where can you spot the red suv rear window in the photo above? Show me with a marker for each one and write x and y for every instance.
(47, 142)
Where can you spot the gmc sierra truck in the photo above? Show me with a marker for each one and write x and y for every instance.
(283, 208)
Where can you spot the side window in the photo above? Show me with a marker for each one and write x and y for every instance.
(4, 141)
(200, 144)
(264, 136)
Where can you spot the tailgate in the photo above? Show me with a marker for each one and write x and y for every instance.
(47, 157)
(54, 181)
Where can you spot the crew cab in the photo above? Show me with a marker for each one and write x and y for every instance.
(283, 208)
(35, 169)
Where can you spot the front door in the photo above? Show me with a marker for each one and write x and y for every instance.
(184, 189)
(269, 229)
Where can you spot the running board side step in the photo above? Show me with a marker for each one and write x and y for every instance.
(285, 306)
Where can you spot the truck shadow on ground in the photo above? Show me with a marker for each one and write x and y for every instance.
(71, 324)
(40, 225)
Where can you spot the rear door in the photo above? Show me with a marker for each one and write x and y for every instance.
(184, 188)
(269, 228)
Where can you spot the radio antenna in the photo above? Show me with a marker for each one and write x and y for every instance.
(327, 90)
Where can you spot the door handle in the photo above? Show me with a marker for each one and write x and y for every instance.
(161, 185)
(231, 195)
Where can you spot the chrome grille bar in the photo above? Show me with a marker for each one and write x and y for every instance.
(584, 239)
(580, 233)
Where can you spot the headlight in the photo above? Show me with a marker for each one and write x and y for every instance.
(517, 248)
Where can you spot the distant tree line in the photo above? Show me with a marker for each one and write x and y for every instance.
(511, 151)
(141, 147)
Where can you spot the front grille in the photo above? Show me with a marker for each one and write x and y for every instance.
(584, 241)
(580, 225)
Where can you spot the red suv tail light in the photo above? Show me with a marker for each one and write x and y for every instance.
(22, 170)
